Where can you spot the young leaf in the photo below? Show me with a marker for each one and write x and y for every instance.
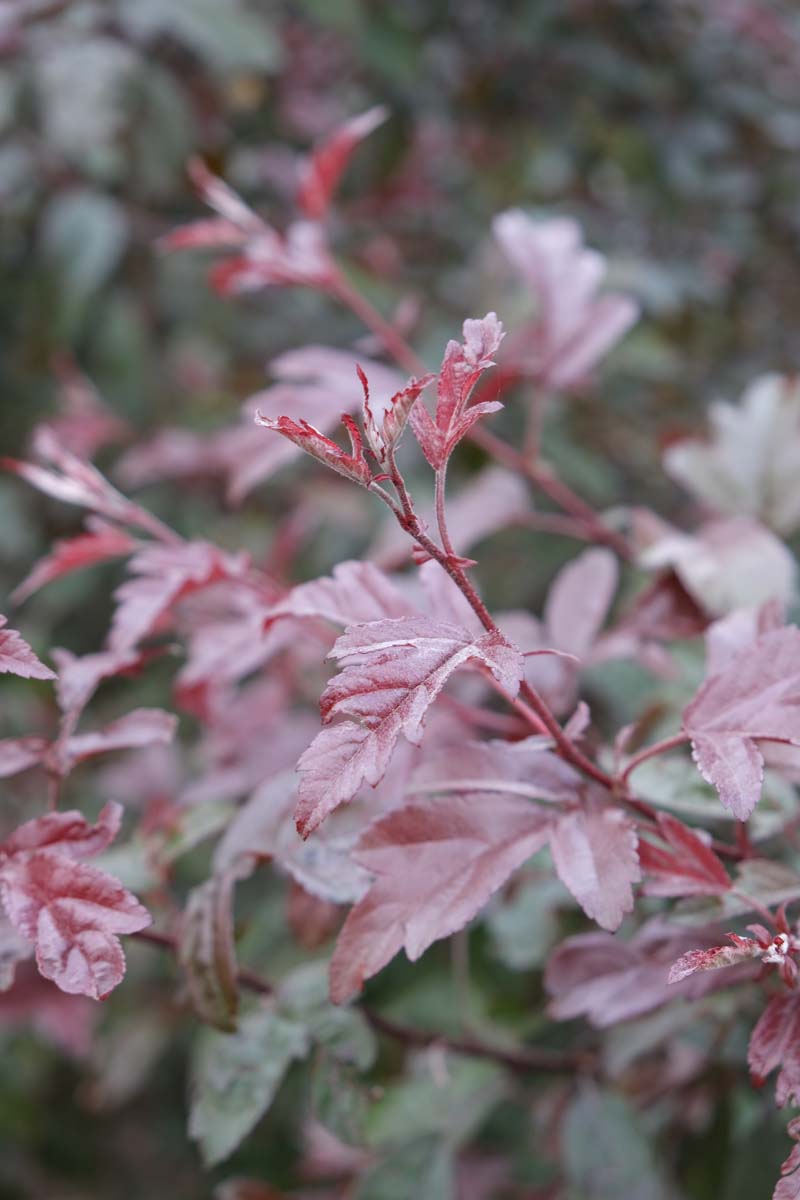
(435, 867)
(384, 428)
(235, 1077)
(323, 168)
(463, 364)
(714, 958)
(17, 658)
(756, 697)
(595, 854)
(353, 466)
(688, 868)
(102, 543)
(393, 672)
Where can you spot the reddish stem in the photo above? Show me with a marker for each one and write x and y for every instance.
(668, 743)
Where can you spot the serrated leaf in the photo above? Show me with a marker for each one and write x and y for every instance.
(235, 1076)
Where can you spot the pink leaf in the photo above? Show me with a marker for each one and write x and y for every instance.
(142, 727)
(18, 754)
(688, 868)
(463, 364)
(595, 855)
(79, 678)
(73, 913)
(73, 554)
(325, 166)
(579, 600)
(352, 466)
(435, 867)
(393, 672)
(775, 1043)
(755, 697)
(608, 980)
(714, 958)
(71, 479)
(17, 658)
(355, 593)
(68, 832)
(164, 575)
(384, 428)
(574, 327)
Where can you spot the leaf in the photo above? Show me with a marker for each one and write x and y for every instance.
(142, 727)
(71, 911)
(462, 365)
(79, 678)
(714, 958)
(775, 1043)
(688, 868)
(355, 593)
(206, 948)
(526, 768)
(727, 564)
(73, 554)
(757, 696)
(235, 1077)
(13, 950)
(393, 671)
(606, 1155)
(574, 326)
(17, 658)
(595, 854)
(353, 466)
(18, 754)
(323, 169)
(750, 464)
(579, 600)
(164, 575)
(608, 980)
(435, 867)
(384, 429)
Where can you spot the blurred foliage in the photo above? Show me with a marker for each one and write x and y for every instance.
(671, 130)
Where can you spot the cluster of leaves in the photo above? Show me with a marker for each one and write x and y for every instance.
(560, 803)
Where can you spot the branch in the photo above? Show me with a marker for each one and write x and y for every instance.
(522, 1060)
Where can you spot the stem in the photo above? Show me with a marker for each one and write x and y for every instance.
(393, 341)
(441, 518)
(668, 743)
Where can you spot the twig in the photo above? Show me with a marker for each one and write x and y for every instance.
(527, 1059)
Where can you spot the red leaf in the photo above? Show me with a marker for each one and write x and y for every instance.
(68, 832)
(325, 166)
(435, 867)
(714, 958)
(79, 678)
(595, 855)
(352, 466)
(688, 868)
(18, 754)
(142, 727)
(384, 428)
(355, 593)
(163, 576)
(579, 600)
(462, 366)
(17, 658)
(775, 1043)
(756, 696)
(608, 980)
(393, 672)
(71, 911)
(73, 554)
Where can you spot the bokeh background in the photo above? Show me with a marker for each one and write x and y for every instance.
(669, 128)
